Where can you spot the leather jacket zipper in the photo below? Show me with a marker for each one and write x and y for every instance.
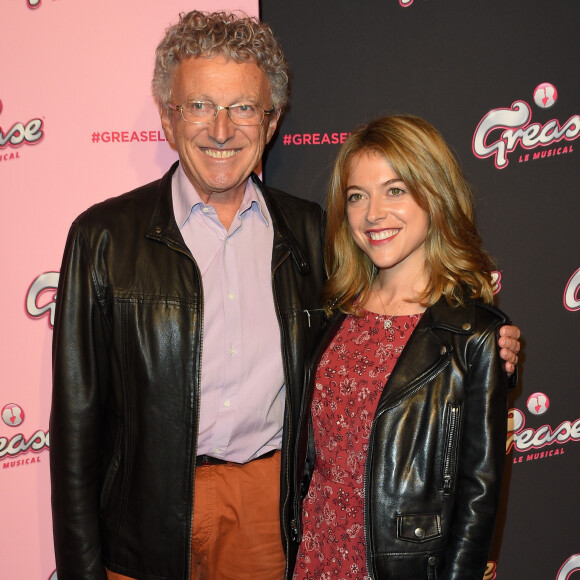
(451, 446)
(366, 511)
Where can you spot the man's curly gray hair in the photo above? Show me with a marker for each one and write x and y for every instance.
(239, 37)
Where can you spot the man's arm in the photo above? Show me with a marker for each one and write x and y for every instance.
(76, 417)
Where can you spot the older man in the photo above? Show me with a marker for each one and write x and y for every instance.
(165, 456)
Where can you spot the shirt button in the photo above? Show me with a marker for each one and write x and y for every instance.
(205, 209)
(227, 404)
(232, 350)
(231, 295)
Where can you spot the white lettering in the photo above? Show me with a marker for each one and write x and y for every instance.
(516, 132)
(523, 439)
(18, 444)
(45, 283)
(572, 292)
(19, 133)
(572, 564)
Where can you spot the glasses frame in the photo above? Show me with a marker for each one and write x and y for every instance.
(219, 108)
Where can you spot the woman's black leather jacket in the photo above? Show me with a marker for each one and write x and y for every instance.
(436, 450)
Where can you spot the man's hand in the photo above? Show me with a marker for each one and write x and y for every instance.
(509, 345)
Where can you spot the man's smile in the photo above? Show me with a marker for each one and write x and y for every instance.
(218, 154)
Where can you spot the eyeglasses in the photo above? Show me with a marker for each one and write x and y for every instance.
(203, 112)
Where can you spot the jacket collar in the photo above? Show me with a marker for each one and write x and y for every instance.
(427, 352)
(284, 239)
(164, 228)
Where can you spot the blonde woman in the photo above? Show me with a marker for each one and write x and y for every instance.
(401, 443)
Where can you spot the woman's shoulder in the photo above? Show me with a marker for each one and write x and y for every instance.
(473, 316)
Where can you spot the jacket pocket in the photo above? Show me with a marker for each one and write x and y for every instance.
(111, 472)
(418, 528)
(452, 433)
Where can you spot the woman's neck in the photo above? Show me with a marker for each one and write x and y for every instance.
(396, 294)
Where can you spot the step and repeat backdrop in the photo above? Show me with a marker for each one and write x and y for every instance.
(77, 125)
(500, 80)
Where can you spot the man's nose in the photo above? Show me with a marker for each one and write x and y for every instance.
(222, 128)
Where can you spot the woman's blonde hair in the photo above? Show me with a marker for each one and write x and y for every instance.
(455, 261)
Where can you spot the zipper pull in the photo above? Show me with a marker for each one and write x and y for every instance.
(294, 531)
(307, 314)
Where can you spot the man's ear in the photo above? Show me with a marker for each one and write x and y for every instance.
(273, 119)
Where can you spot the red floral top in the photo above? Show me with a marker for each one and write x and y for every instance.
(348, 383)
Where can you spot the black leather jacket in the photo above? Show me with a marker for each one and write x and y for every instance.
(126, 365)
(436, 450)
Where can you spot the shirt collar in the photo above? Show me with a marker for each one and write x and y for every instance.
(186, 199)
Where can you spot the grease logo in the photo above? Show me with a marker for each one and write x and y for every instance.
(546, 441)
(12, 415)
(41, 297)
(538, 403)
(19, 450)
(29, 133)
(545, 95)
(572, 292)
(502, 130)
(571, 565)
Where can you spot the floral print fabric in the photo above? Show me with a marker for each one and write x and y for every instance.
(348, 383)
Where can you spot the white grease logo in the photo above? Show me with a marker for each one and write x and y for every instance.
(572, 292)
(502, 130)
(43, 288)
(571, 565)
(17, 445)
(29, 133)
(523, 440)
(11, 447)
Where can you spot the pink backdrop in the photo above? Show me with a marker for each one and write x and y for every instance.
(77, 125)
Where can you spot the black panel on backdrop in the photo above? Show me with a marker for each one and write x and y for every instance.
(453, 62)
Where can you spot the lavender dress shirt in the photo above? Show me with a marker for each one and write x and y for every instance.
(242, 378)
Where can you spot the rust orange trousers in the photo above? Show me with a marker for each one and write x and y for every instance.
(236, 522)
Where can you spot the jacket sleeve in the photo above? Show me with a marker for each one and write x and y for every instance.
(80, 370)
(481, 460)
